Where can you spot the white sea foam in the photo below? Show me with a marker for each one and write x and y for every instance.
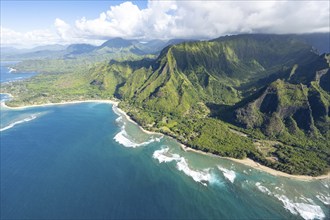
(324, 199)
(124, 139)
(157, 139)
(263, 189)
(202, 176)
(119, 119)
(306, 211)
(229, 174)
(11, 70)
(11, 125)
(115, 110)
(163, 156)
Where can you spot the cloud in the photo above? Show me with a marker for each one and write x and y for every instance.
(187, 19)
(207, 19)
(10, 37)
(63, 29)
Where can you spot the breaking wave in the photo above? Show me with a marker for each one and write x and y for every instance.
(305, 210)
(124, 139)
(324, 199)
(13, 124)
(263, 188)
(229, 174)
(163, 156)
(202, 176)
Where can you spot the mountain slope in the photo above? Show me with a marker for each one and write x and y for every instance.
(273, 88)
(293, 109)
(212, 71)
(297, 102)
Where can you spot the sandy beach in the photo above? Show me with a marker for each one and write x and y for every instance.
(60, 103)
(247, 161)
(250, 163)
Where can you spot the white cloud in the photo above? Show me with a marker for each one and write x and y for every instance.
(10, 37)
(63, 29)
(186, 19)
(189, 19)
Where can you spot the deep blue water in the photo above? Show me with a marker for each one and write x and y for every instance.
(86, 161)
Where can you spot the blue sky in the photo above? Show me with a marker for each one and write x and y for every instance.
(32, 23)
(29, 15)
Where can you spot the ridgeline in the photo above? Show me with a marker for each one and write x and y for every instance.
(273, 88)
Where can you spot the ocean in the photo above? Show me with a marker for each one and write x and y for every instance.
(9, 74)
(87, 161)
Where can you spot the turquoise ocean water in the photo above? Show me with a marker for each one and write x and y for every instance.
(86, 161)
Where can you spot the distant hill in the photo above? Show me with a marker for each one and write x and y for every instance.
(76, 49)
(117, 43)
(116, 48)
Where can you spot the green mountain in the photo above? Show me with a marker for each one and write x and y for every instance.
(212, 71)
(260, 96)
(299, 102)
(191, 80)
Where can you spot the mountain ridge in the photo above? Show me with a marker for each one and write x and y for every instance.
(271, 87)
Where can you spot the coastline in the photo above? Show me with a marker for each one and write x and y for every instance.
(134, 122)
(8, 94)
(247, 162)
(256, 165)
(3, 104)
(251, 163)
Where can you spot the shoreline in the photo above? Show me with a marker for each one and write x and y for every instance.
(8, 94)
(134, 122)
(3, 104)
(253, 164)
(247, 162)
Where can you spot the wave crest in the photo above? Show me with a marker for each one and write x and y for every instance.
(13, 124)
(201, 176)
(305, 210)
(324, 199)
(164, 156)
(124, 139)
(228, 174)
